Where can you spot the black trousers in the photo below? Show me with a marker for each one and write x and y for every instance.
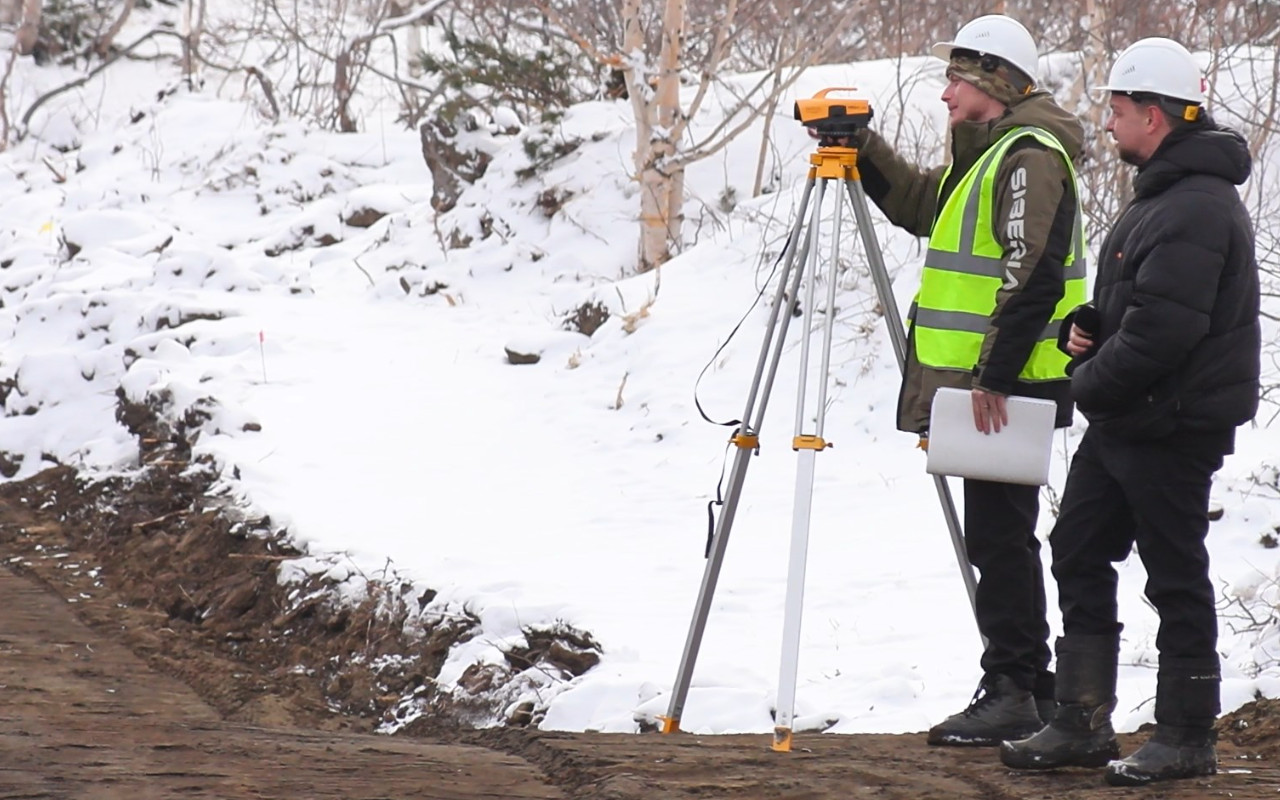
(1152, 494)
(1000, 538)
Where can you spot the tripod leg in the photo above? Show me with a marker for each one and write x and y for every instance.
(879, 273)
(957, 544)
(897, 332)
(807, 447)
(746, 441)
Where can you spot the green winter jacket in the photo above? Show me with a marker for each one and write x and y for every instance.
(1026, 302)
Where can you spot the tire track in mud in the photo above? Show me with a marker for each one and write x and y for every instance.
(83, 717)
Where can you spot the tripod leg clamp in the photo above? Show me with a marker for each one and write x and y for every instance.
(810, 443)
(746, 441)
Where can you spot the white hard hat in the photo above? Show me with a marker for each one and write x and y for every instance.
(1157, 66)
(997, 35)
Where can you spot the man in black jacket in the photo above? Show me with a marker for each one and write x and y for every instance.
(1165, 367)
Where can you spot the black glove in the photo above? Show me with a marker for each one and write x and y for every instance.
(1088, 319)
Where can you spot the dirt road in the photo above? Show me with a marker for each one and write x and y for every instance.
(83, 717)
(109, 690)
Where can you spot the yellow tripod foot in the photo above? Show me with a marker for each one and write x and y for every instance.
(781, 740)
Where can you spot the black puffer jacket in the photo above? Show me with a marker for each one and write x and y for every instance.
(1177, 351)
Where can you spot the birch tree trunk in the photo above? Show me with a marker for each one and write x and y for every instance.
(1094, 57)
(415, 47)
(29, 30)
(664, 146)
(1104, 175)
(191, 30)
(657, 114)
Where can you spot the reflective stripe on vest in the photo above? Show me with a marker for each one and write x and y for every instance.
(965, 267)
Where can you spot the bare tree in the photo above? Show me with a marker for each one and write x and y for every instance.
(1104, 177)
(192, 27)
(102, 45)
(661, 43)
(5, 125)
(669, 57)
(415, 34)
(309, 58)
(655, 101)
(29, 27)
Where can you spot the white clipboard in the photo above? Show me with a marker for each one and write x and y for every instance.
(1019, 453)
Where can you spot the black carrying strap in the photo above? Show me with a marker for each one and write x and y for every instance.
(773, 270)
(736, 424)
(711, 504)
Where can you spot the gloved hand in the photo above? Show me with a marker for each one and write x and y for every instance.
(1077, 335)
(1088, 320)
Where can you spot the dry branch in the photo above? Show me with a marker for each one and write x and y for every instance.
(102, 45)
(267, 89)
(88, 76)
(151, 523)
(4, 99)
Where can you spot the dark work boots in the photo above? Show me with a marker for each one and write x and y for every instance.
(1000, 710)
(1080, 734)
(1043, 692)
(1183, 745)
(1170, 753)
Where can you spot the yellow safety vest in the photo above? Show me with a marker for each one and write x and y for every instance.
(965, 267)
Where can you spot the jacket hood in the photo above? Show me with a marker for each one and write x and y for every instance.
(1207, 149)
(1037, 109)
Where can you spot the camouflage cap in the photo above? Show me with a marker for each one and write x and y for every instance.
(991, 74)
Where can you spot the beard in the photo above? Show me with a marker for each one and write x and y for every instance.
(1130, 157)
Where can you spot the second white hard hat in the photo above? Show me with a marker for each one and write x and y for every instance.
(997, 35)
(1157, 66)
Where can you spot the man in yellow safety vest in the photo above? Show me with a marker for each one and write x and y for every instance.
(1005, 264)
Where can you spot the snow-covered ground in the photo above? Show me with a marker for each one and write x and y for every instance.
(360, 394)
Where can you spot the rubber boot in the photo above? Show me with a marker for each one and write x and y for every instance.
(1044, 694)
(1183, 745)
(1080, 734)
(1000, 710)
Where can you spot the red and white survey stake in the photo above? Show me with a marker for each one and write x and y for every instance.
(262, 353)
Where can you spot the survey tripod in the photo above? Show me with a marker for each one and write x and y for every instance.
(834, 166)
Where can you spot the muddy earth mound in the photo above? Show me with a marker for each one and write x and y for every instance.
(169, 573)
